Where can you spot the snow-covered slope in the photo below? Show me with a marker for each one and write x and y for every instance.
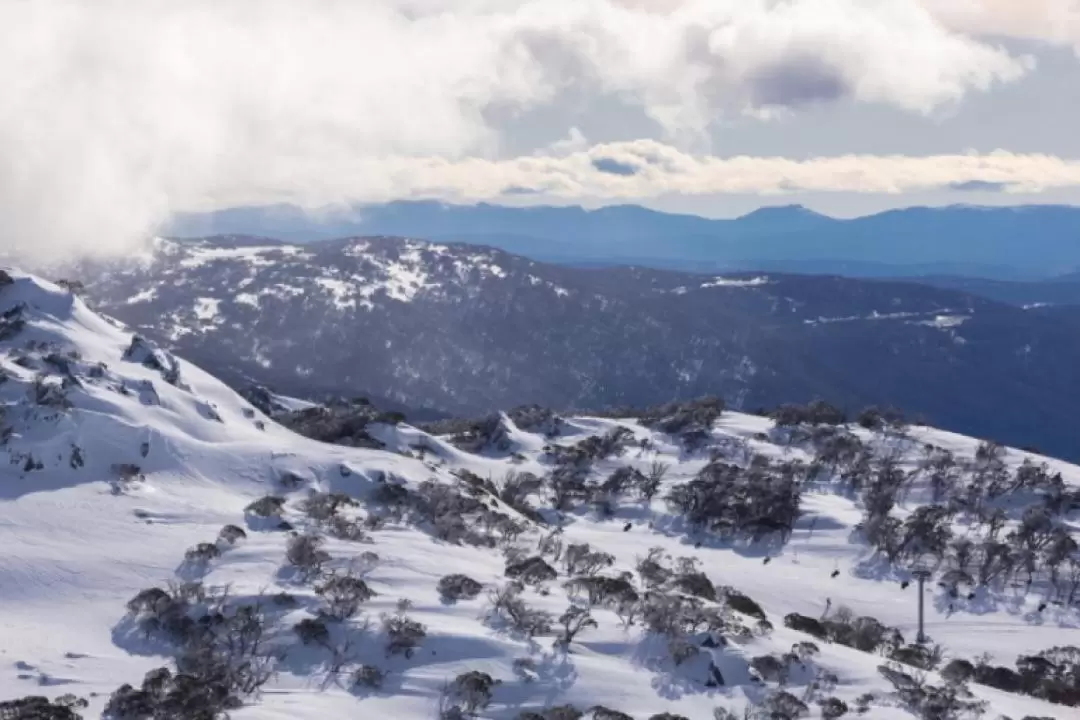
(121, 458)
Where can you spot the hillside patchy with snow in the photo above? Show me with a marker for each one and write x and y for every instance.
(684, 560)
(467, 330)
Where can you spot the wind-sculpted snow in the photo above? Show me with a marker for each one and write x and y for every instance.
(507, 566)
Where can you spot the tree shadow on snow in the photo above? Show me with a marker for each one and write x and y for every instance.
(676, 527)
(876, 567)
(553, 675)
(130, 637)
(671, 681)
(1018, 604)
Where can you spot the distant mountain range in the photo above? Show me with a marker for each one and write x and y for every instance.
(464, 330)
(1013, 243)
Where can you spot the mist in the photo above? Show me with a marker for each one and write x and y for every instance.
(118, 113)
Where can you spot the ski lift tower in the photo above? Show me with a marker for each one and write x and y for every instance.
(923, 571)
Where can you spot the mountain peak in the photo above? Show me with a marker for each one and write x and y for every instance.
(785, 213)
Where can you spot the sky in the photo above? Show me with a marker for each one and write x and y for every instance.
(118, 113)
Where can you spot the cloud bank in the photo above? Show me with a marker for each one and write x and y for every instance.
(647, 168)
(117, 113)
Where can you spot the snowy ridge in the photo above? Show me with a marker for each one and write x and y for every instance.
(121, 458)
(457, 329)
(401, 276)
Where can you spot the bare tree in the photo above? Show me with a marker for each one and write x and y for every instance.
(573, 621)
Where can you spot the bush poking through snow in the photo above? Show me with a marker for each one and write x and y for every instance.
(923, 657)
(36, 707)
(862, 633)
(403, 634)
(582, 560)
(312, 631)
(574, 620)
(221, 655)
(599, 712)
(1052, 675)
(265, 507)
(949, 702)
(744, 604)
(343, 595)
(167, 695)
(479, 435)
(458, 587)
(833, 708)
(678, 418)
(305, 553)
(536, 419)
(531, 571)
(649, 483)
(322, 507)
(733, 501)
(782, 705)
(128, 473)
(369, 677)
(770, 668)
(806, 624)
(284, 599)
(471, 691)
(149, 601)
(202, 553)
(696, 584)
(344, 528)
(958, 671)
(507, 604)
(231, 534)
(608, 591)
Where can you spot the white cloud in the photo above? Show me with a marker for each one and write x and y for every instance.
(117, 112)
(647, 168)
(1053, 21)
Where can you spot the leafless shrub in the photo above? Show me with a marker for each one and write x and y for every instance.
(403, 633)
(344, 528)
(321, 507)
(507, 604)
(305, 553)
(574, 620)
(471, 691)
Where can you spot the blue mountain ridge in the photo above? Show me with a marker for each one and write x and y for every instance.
(1005, 243)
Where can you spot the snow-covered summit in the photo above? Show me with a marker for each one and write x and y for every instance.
(704, 559)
